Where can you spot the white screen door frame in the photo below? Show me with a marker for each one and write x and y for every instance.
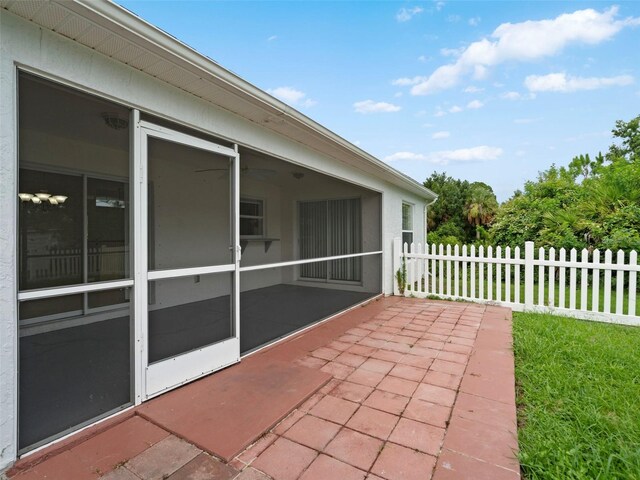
(156, 378)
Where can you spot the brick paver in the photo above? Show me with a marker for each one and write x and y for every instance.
(400, 380)
(420, 390)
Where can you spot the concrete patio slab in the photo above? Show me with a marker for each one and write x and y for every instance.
(223, 413)
(407, 389)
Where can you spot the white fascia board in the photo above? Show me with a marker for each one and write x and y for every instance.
(133, 28)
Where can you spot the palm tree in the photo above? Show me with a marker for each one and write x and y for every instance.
(481, 205)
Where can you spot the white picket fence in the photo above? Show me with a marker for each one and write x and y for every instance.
(536, 283)
(58, 264)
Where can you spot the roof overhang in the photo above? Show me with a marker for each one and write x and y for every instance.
(119, 34)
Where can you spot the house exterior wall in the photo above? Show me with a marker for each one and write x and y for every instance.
(41, 51)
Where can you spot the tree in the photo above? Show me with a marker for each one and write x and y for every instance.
(589, 204)
(629, 133)
(446, 216)
(481, 206)
(525, 215)
(583, 165)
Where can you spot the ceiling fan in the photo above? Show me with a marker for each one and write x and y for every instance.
(255, 173)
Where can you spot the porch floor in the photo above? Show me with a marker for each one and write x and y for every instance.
(418, 389)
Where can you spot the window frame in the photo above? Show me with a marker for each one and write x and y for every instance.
(409, 230)
(262, 217)
(86, 310)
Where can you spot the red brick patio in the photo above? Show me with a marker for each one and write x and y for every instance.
(420, 389)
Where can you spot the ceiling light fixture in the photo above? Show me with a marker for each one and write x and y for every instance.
(115, 120)
(41, 197)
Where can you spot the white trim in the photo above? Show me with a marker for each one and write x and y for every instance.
(70, 171)
(10, 352)
(411, 229)
(235, 246)
(153, 130)
(188, 272)
(68, 321)
(170, 373)
(73, 289)
(306, 260)
(383, 269)
(138, 247)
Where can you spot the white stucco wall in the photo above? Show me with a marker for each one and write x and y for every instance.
(23, 43)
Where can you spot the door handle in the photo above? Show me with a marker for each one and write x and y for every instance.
(237, 249)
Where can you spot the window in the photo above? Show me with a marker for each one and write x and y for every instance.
(74, 218)
(251, 218)
(328, 228)
(407, 223)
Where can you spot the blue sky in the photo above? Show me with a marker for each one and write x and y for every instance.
(485, 91)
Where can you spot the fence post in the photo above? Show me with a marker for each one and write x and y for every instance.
(396, 264)
(528, 275)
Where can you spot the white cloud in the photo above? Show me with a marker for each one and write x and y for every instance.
(455, 109)
(288, 94)
(454, 18)
(440, 135)
(474, 22)
(526, 41)
(451, 52)
(524, 121)
(369, 106)
(405, 81)
(462, 155)
(480, 72)
(520, 153)
(406, 14)
(397, 94)
(475, 104)
(473, 154)
(423, 58)
(511, 96)
(439, 113)
(584, 136)
(292, 96)
(272, 38)
(439, 6)
(560, 82)
(428, 125)
(405, 156)
(473, 89)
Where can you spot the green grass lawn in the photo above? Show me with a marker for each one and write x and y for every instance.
(578, 398)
